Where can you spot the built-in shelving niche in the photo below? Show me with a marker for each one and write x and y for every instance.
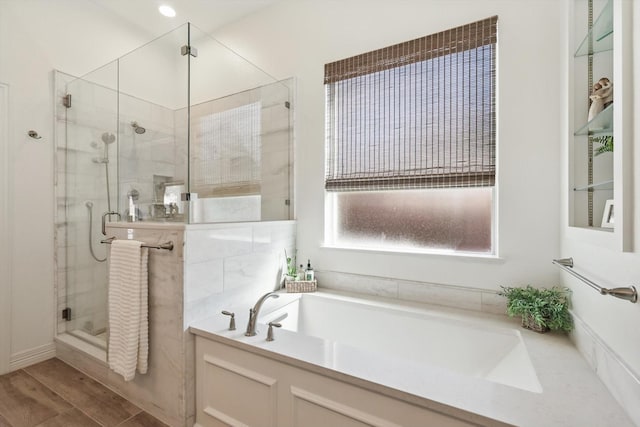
(593, 175)
(604, 50)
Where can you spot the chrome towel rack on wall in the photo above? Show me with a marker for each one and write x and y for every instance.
(167, 245)
(626, 293)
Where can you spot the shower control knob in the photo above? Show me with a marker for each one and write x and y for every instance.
(232, 321)
(270, 331)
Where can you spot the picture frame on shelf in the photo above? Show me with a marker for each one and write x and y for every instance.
(608, 215)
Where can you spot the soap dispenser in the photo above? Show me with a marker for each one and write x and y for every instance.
(308, 273)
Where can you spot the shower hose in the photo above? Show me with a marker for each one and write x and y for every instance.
(90, 207)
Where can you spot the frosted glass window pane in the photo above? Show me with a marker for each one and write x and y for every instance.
(440, 219)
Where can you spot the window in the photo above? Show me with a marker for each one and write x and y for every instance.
(411, 143)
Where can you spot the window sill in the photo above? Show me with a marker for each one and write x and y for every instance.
(427, 252)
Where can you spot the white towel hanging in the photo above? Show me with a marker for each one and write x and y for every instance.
(128, 308)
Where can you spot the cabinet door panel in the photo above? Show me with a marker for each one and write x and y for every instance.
(311, 410)
(234, 395)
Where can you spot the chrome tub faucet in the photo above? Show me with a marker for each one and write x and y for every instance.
(253, 313)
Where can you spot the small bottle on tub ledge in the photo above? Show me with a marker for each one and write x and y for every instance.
(308, 273)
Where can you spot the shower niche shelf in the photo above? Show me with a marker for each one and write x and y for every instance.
(602, 124)
(593, 179)
(600, 35)
(603, 185)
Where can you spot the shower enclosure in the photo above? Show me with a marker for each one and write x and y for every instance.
(182, 129)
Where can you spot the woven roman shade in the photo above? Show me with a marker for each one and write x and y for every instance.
(419, 114)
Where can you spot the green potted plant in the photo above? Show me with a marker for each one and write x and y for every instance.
(541, 309)
(606, 144)
(291, 267)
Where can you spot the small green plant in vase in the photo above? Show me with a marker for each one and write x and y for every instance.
(291, 266)
(606, 144)
(541, 309)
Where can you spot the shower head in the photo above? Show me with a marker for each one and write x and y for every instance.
(108, 138)
(89, 204)
(133, 194)
(137, 128)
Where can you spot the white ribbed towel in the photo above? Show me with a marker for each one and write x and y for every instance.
(128, 308)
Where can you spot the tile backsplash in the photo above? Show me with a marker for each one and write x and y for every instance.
(231, 265)
(483, 300)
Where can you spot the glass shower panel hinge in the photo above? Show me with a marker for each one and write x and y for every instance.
(186, 197)
(66, 314)
(287, 104)
(189, 50)
(66, 100)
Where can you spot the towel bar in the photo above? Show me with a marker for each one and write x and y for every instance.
(167, 245)
(628, 293)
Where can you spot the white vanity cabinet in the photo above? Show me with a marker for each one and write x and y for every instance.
(235, 387)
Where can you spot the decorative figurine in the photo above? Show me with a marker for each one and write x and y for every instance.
(601, 96)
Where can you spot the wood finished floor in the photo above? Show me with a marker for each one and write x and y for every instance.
(53, 394)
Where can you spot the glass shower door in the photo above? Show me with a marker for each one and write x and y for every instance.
(121, 148)
(86, 190)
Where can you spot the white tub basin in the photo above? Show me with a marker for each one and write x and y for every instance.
(358, 327)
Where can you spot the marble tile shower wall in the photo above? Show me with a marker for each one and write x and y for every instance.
(277, 155)
(142, 157)
(165, 390)
(226, 209)
(228, 266)
(276, 163)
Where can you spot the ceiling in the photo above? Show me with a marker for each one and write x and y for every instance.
(208, 15)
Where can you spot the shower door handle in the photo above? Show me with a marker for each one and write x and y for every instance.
(104, 219)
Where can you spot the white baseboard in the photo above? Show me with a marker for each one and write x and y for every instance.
(623, 383)
(32, 356)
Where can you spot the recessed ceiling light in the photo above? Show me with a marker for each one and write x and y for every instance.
(167, 11)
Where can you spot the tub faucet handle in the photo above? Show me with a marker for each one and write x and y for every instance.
(253, 313)
(232, 321)
(270, 331)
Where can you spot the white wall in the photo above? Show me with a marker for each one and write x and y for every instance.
(298, 38)
(5, 250)
(34, 39)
